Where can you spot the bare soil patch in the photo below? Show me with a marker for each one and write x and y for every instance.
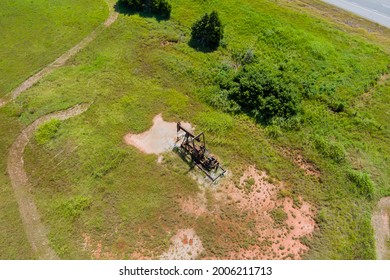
(97, 250)
(381, 225)
(161, 137)
(185, 245)
(279, 222)
(194, 206)
(383, 78)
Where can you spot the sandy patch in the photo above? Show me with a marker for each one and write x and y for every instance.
(279, 223)
(195, 206)
(383, 78)
(161, 137)
(380, 222)
(185, 245)
(97, 251)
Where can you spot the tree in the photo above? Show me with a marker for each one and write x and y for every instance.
(208, 31)
(161, 8)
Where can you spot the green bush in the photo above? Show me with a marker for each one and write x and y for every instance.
(207, 31)
(162, 8)
(47, 131)
(328, 149)
(261, 91)
(363, 183)
(279, 215)
(243, 57)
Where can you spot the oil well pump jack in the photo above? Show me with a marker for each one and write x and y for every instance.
(195, 146)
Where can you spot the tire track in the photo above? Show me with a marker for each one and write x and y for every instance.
(34, 228)
(60, 61)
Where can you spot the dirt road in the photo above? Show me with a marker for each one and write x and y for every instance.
(380, 223)
(35, 230)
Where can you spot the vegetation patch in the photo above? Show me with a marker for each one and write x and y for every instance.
(279, 216)
(363, 183)
(249, 185)
(332, 150)
(216, 122)
(259, 90)
(72, 208)
(47, 131)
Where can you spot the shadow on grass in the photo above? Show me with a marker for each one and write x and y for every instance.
(201, 48)
(184, 157)
(124, 9)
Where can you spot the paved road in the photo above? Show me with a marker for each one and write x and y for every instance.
(374, 10)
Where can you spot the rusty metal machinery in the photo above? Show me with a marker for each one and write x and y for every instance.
(195, 146)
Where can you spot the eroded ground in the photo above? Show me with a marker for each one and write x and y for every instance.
(274, 219)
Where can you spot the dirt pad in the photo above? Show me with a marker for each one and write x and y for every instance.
(380, 222)
(280, 223)
(161, 137)
(186, 245)
(195, 206)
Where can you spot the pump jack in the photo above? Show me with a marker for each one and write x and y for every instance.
(195, 146)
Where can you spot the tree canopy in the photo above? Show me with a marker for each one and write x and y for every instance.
(208, 31)
(159, 7)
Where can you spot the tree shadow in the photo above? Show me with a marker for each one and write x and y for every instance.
(121, 8)
(201, 48)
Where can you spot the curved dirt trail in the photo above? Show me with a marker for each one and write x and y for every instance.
(380, 223)
(35, 230)
(113, 15)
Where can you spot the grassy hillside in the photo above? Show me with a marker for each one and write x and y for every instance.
(34, 33)
(88, 184)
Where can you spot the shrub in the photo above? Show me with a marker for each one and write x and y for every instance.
(363, 183)
(161, 7)
(47, 131)
(249, 184)
(243, 57)
(337, 106)
(208, 31)
(261, 92)
(136, 5)
(279, 215)
(328, 149)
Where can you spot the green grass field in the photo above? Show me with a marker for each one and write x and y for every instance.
(87, 182)
(35, 33)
